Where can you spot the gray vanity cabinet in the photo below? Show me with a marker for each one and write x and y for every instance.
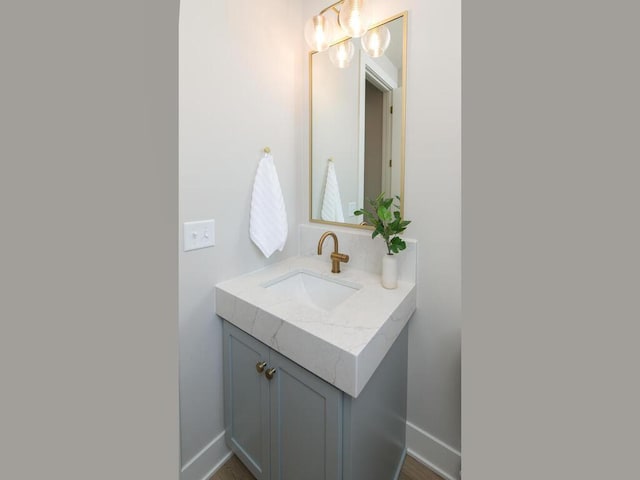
(283, 422)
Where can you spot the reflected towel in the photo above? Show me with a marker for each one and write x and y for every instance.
(268, 218)
(331, 203)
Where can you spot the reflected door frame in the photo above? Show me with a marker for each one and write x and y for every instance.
(370, 70)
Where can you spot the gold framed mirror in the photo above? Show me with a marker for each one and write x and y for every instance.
(357, 127)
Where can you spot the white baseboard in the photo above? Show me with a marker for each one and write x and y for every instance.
(435, 454)
(207, 461)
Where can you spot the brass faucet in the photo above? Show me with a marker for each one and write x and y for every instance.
(336, 257)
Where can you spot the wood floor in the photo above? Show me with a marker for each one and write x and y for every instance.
(414, 470)
(411, 470)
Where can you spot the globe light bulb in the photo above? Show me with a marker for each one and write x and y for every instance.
(318, 32)
(341, 54)
(376, 41)
(354, 18)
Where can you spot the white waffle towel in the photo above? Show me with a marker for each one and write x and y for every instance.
(268, 218)
(331, 203)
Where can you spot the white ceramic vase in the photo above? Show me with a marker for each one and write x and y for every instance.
(389, 271)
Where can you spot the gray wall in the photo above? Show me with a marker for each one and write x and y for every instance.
(238, 93)
(433, 202)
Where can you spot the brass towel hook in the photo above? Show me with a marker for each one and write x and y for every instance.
(267, 150)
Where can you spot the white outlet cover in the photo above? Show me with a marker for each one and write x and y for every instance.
(198, 235)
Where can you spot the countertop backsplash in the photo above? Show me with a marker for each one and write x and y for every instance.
(364, 252)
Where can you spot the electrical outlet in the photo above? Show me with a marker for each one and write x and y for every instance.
(199, 235)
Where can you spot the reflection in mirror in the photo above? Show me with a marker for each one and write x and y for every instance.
(357, 127)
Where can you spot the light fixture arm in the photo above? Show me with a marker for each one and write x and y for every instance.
(330, 7)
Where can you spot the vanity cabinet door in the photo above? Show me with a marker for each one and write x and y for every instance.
(246, 399)
(306, 424)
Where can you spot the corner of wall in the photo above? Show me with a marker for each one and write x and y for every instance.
(435, 454)
(199, 467)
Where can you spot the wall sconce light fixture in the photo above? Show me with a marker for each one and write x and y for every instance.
(351, 19)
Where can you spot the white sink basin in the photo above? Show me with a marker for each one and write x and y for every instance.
(312, 289)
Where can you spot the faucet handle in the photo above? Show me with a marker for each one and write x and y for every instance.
(342, 257)
(336, 258)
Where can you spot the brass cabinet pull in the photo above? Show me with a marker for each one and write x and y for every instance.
(260, 366)
(270, 373)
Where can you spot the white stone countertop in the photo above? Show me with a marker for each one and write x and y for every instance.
(343, 346)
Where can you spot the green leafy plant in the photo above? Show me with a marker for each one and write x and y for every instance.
(386, 223)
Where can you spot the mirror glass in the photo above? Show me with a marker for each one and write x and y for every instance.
(357, 128)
